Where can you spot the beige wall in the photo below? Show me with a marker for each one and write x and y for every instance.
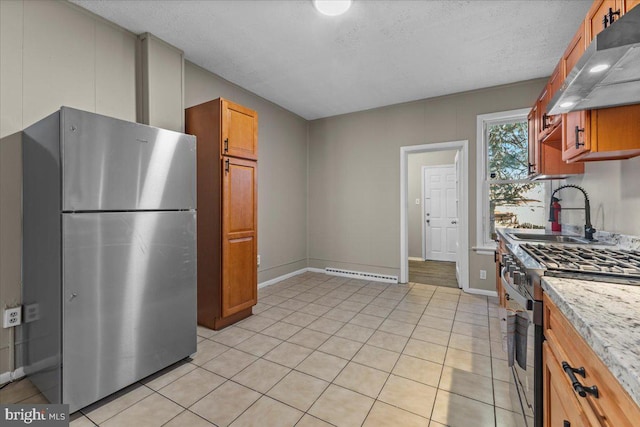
(354, 175)
(51, 54)
(161, 84)
(282, 172)
(414, 191)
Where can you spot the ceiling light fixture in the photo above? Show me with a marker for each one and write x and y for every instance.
(567, 104)
(332, 7)
(598, 68)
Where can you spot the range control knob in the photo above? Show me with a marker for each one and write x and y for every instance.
(517, 277)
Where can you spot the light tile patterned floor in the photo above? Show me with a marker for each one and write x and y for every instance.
(323, 350)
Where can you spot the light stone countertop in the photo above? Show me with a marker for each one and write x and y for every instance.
(607, 316)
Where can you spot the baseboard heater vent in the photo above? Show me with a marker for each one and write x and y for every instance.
(362, 275)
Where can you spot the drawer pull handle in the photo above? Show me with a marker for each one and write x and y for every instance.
(579, 388)
(566, 424)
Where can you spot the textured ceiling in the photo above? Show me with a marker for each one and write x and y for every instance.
(379, 53)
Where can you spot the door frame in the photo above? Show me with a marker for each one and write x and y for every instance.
(424, 194)
(462, 147)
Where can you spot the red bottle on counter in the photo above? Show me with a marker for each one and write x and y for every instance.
(555, 218)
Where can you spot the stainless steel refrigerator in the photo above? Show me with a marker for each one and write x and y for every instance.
(109, 253)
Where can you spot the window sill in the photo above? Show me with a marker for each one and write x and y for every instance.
(484, 250)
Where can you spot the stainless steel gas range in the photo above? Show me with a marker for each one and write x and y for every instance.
(521, 272)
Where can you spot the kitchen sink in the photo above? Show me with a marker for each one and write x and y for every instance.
(553, 238)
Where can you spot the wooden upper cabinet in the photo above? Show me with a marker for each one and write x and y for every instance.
(554, 84)
(574, 51)
(598, 17)
(629, 4)
(609, 134)
(239, 131)
(541, 115)
(576, 134)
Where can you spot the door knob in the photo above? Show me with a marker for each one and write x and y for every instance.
(454, 222)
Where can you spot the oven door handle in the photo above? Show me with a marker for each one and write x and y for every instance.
(512, 292)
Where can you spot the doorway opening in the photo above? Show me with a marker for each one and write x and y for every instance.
(462, 252)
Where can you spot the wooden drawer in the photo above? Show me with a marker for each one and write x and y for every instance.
(614, 407)
(561, 407)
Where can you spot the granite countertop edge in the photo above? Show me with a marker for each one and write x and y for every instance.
(607, 329)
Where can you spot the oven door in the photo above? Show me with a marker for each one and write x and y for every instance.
(523, 391)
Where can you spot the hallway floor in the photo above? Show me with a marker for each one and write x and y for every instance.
(440, 273)
(324, 350)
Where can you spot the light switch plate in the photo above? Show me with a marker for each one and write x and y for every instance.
(417, 201)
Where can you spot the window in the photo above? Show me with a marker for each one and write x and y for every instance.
(506, 197)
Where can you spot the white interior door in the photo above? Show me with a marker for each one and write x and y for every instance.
(440, 210)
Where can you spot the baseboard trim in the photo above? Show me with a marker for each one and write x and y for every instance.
(6, 377)
(281, 278)
(481, 292)
(413, 258)
(362, 275)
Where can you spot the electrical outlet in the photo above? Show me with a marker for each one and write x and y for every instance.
(12, 317)
(258, 260)
(483, 274)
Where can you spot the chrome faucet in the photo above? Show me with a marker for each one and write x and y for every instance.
(588, 228)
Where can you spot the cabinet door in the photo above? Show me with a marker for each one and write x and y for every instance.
(239, 235)
(541, 116)
(574, 51)
(598, 16)
(555, 81)
(239, 131)
(575, 134)
(629, 4)
(561, 408)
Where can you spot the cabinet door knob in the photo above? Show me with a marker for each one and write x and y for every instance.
(578, 143)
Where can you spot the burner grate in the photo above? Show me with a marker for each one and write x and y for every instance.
(588, 260)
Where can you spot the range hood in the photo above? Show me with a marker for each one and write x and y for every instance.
(608, 73)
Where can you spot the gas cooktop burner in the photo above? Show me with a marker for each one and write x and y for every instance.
(614, 265)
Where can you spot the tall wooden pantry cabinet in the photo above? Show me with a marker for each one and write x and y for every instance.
(227, 172)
